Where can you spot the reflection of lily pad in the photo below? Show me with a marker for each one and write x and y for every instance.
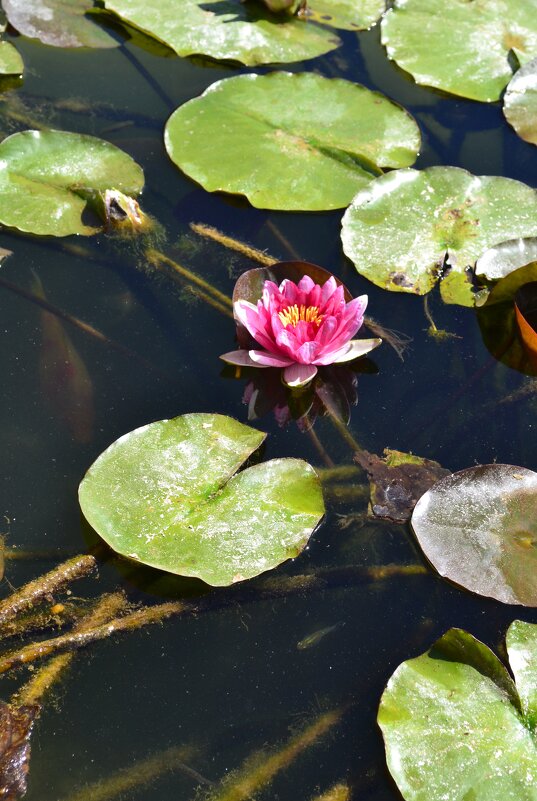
(498, 324)
(11, 62)
(226, 29)
(478, 528)
(409, 229)
(61, 23)
(168, 495)
(459, 46)
(293, 142)
(520, 102)
(46, 178)
(455, 725)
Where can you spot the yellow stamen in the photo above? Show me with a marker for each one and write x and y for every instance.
(293, 314)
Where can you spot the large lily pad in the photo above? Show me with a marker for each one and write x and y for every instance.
(47, 177)
(11, 62)
(459, 46)
(520, 102)
(409, 229)
(227, 29)
(454, 725)
(350, 15)
(168, 495)
(478, 528)
(61, 23)
(293, 142)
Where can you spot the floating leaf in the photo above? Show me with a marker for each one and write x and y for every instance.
(350, 15)
(455, 217)
(505, 258)
(478, 528)
(498, 324)
(16, 725)
(47, 177)
(520, 102)
(453, 723)
(61, 23)
(167, 495)
(397, 481)
(293, 142)
(11, 62)
(459, 46)
(225, 29)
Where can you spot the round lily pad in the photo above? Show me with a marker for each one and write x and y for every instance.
(520, 102)
(460, 46)
(455, 725)
(168, 495)
(11, 62)
(61, 23)
(290, 141)
(478, 528)
(350, 15)
(47, 177)
(410, 229)
(227, 29)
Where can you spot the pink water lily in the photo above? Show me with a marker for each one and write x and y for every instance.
(301, 327)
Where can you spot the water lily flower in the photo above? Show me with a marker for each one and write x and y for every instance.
(300, 327)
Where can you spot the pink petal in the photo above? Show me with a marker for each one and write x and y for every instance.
(328, 289)
(289, 290)
(269, 290)
(262, 358)
(240, 358)
(307, 352)
(357, 348)
(249, 316)
(326, 331)
(306, 284)
(299, 374)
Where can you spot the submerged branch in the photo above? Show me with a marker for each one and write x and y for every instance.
(229, 242)
(35, 591)
(340, 792)
(159, 260)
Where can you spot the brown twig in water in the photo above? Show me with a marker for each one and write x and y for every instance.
(142, 773)
(229, 242)
(339, 472)
(158, 260)
(340, 792)
(282, 239)
(319, 447)
(210, 300)
(34, 591)
(107, 608)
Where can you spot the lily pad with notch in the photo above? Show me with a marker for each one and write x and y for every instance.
(290, 141)
(168, 495)
(478, 528)
(455, 724)
(410, 229)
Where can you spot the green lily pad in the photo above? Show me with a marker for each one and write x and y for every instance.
(61, 23)
(459, 46)
(349, 15)
(168, 495)
(290, 142)
(227, 29)
(506, 257)
(11, 62)
(453, 723)
(47, 177)
(455, 217)
(478, 528)
(520, 102)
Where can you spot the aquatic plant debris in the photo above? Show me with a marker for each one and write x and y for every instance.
(60, 23)
(456, 216)
(478, 528)
(455, 724)
(469, 56)
(301, 327)
(295, 142)
(168, 495)
(397, 481)
(520, 102)
(48, 179)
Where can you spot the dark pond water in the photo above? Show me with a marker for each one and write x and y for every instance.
(233, 681)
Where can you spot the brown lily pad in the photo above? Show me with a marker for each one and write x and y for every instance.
(16, 725)
(397, 482)
(526, 317)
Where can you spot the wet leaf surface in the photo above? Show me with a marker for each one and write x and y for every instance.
(397, 481)
(520, 102)
(478, 528)
(16, 725)
(224, 29)
(454, 725)
(168, 495)
(47, 177)
(290, 141)
(455, 217)
(350, 15)
(11, 62)
(505, 258)
(61, 23)
(470, 55)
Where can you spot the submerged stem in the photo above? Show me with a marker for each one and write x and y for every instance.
(229, 242)
(340, 792)
(159, 260)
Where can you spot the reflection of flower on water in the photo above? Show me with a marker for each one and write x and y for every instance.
(333, 391)
(300, 328)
